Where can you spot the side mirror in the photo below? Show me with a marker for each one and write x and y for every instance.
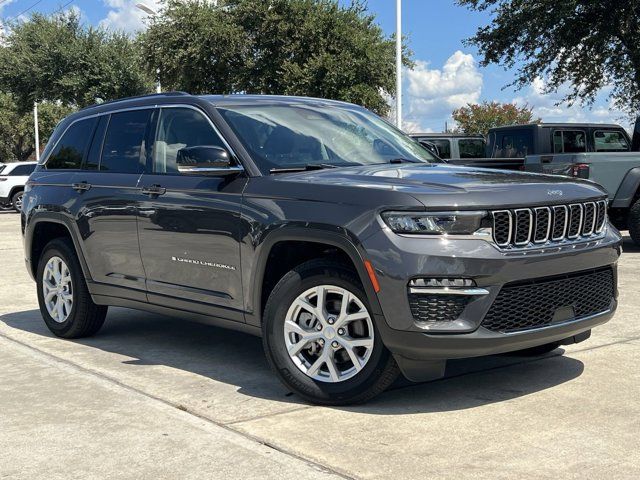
(205, 160)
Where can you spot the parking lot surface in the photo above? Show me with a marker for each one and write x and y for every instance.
(159, 397)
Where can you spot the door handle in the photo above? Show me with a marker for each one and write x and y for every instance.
(154, 190)
(81, 186)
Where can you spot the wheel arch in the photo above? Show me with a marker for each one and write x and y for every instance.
(321, 239)
(43, 228)
(628, 191)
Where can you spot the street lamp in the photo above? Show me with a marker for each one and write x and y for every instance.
(150, 11)
(399, 64)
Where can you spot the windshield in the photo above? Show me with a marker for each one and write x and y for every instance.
(299, 135)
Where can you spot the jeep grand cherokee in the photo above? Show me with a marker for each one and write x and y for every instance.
(317, 225)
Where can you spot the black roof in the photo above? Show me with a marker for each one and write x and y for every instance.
(444, 135)
(559, 125)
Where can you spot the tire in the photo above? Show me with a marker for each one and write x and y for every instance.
(634, 222)
(537, 351)
(84, 318)
(345, 384)
(16, 201)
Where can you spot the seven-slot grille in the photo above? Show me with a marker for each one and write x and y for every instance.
(523, 227)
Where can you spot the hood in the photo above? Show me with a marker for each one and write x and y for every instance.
(440, 185)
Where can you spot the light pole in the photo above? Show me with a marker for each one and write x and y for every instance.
(150, 11)
(35, 124)
(399, 64)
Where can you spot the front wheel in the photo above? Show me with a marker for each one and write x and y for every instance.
(320, 337)
(16, 201)
(634, 222)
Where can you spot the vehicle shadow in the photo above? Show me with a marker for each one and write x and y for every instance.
(628, 245)
(237, 359)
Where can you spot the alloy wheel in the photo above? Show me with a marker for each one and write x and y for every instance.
(329, 333)
(57, 288)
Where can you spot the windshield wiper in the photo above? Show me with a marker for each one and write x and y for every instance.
(403, 160)
(305, 168)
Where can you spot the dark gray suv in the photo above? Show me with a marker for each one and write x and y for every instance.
(318, 226)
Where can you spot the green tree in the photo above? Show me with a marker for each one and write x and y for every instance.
(477, 119)
(56, 58)
(288, 47)
(17, 137)
(586, 44)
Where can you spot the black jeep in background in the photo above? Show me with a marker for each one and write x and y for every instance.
(319, 227)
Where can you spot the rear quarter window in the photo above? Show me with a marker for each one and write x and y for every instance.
(22, 170)
(70, 150)
(471, 148)
(516, 144)
(610, 141)
(569, 141)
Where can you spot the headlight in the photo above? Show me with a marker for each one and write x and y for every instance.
(435, 223)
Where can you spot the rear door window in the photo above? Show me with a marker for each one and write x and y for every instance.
(610, 141)
(515, 145)
(444, 146)
(471, 148)
(22, 170)
(569, 141)
(70, 150)
(124, 146)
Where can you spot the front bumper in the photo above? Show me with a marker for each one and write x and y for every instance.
(398, 259)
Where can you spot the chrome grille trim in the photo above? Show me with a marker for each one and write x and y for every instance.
(572, 213)
(522, 228)
(494, 216)
(537, 212)
(565, 211)
(589, 226)
(521, 212)
(601, 215)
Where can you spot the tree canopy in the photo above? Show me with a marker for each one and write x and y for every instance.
(289, 47)
(56, 58)
(477, 119)
(585, 44)
(17, 137)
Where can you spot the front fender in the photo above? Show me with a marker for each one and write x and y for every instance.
(324, 234)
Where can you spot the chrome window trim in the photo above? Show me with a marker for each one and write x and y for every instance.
(44, 161)
(528, 240)
(546, 237)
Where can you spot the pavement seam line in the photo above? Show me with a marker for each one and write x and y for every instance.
(268, 415)
(182, 408)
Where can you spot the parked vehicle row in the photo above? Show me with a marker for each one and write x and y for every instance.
(13, 177)
(352, 251)
(602, 153)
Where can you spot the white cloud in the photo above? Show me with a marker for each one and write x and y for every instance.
(549, 107)
(432, 94)
(124, 15)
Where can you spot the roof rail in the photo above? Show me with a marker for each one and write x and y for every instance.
(148, 95)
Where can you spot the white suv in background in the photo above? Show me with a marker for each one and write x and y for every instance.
(13, 177)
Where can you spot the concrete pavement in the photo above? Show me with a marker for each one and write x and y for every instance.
(100, 407)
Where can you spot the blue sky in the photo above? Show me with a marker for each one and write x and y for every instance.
(446, 74)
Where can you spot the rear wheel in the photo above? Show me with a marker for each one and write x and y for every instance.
(65, 303)
(634, 222)
(320, 338)
(16, 201)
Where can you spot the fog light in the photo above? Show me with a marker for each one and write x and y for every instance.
(442, 282)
